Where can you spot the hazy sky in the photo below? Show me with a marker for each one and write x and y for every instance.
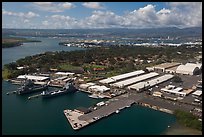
(66, 15)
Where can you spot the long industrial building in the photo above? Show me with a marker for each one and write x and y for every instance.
(122, 76)
(163, 67)
(134, 80)
(140, 86)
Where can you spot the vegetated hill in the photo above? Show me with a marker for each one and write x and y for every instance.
(148, 32)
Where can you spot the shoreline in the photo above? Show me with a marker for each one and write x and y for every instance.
(178, 129)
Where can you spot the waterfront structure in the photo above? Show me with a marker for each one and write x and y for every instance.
(162, 67)
(60, 81)
(100, 103)
(197, 93)
(29, 87)
(64, 73)
(82, 110)
(157, 94)
(86, 85)
(188, 69)
(68, 88)
(148, 84)
(188, 91)
(41, 80)
(121, 77)
(171, 70)
(173, 90)
(97, 88)
(133, 80)
(199, 65)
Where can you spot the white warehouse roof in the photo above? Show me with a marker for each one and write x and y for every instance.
(166, 65)
(91, 84)
(134, 79)
(197, 93)
(187, 69)
(199, 65)
(64, 73)
(84, 86)
(175, 91)
(98, 88)
(151, 82)
(122, 76)
(31, 77)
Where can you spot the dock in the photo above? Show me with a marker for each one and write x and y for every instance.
(78, 120)
(35, 96)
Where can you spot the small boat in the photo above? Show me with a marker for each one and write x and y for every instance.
(169, 126)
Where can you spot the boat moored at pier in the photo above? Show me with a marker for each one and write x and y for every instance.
(28, 87)
(68, 88)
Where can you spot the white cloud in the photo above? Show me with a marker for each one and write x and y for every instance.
(93, 5)
(175, 14)
(53, 7)
(26, 21)
(20, 14)
(46, 4)
(67, 5)
(164, 11)
(189, 14)
(45, 23)
(59, 22)
(100, 19)
(176, 4)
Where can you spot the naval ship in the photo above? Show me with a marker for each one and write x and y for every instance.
(28, 87)
(68, 88)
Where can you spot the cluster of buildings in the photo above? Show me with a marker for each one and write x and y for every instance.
(93, 88)
(154, 78)
(97, 42)
(58, 79)
(177, 68)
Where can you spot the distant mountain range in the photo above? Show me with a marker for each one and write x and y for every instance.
(149, 32)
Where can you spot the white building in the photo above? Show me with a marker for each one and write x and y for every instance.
(122, 76)
(85, 86)
(64, 73)
(175, 91)
(197, 93)
(148, 84)
(36, 79)
(97, 88)
(162, 67)
(133, 80)
(188, 69)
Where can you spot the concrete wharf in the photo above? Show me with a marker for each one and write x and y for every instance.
(78, 120)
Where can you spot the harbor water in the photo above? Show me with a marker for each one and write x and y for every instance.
(45, 116)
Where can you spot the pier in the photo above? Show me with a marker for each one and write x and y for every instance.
(78, 120)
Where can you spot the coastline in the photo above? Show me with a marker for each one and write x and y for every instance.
(178, 129)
